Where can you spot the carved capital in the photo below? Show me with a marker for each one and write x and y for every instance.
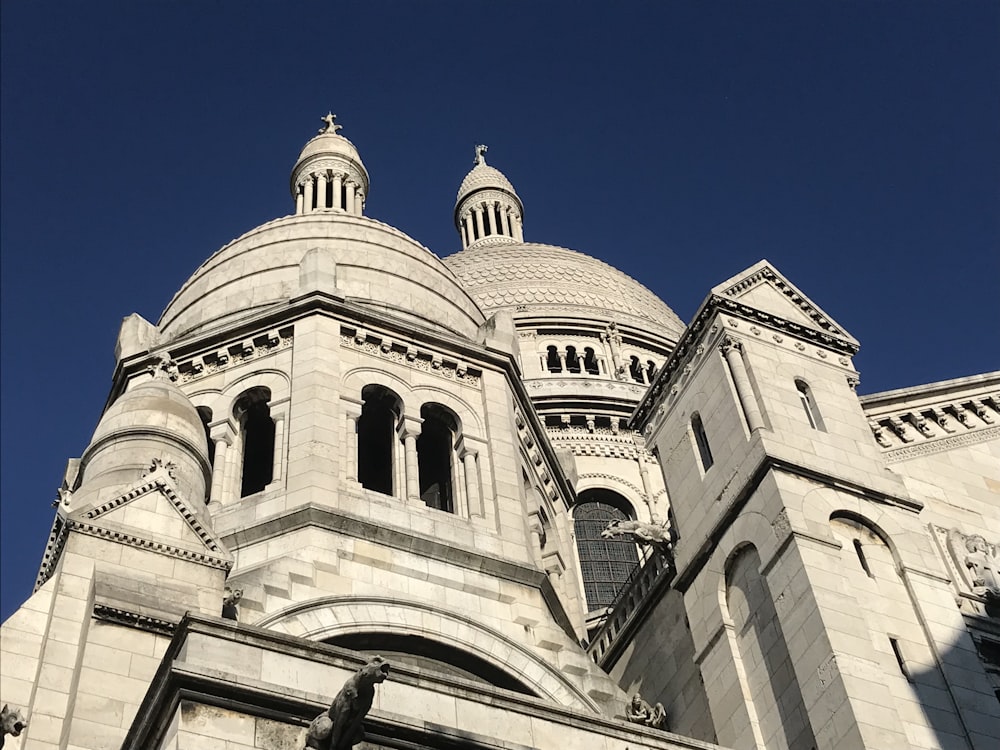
(730, 343)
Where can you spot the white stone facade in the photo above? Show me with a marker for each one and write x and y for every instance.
(374, 449)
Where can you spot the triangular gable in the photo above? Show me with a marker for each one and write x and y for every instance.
(764, 288)
(154, 516)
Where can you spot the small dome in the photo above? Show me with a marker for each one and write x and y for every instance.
(531, 279)
(154, 404)
(329, 154)
(482, 177)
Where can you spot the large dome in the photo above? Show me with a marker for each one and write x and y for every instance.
(544, 280)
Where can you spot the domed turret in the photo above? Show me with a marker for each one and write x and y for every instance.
(329, 173)
(488, 210)
(152, 420)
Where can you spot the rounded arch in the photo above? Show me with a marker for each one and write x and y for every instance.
(630, 493)
(467, 416)
(354, 381)
(329, 617)
(275, 381)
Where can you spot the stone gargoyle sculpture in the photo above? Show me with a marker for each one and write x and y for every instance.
(651, 534)
(230, 603)
(12, 722)
(339, 728)
(640, 712)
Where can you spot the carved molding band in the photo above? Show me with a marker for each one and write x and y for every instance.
(232, 354)
(409, 355)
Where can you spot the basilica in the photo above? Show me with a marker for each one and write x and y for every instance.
(562, 517)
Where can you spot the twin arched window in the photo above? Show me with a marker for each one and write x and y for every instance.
(433, 459)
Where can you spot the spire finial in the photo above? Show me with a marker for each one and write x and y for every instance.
(480, 155)
(331, 124)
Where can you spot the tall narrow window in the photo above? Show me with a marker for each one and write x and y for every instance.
(257, 430)
(206, 418)
(809, 405)
(650, 370)
(701, 439)
(635, 370)
(435, 452)
(572, 359)
(590, 362)
(377, 437)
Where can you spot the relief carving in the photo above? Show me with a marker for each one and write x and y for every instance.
(979, 561)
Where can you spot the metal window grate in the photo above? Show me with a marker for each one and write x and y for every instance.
(606, 564)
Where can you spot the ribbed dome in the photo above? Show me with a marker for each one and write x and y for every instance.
(481, 177)
(535, 279)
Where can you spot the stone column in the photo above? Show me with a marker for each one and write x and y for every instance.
(470, 459)
(410, 431)
(219, 469)
(647, 488)
(338, 189)
(732, 350)
(308, 197)
(279, 435)
(469, 230)
(506, 223)
(518, 229)
(321, 190)
(562, 360)
(479, 221)
(359, 201)
(298, 199)
(352, 445)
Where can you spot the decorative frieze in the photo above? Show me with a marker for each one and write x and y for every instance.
(929, 428)
(234, 353)
(409, 355)
(134, 620)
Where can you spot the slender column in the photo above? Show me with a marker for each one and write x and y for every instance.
(352, 447)
(234, 467)
(298, 199)
(647, 488)
(359, 201)
(349, 196)
(469, 232)
(518, 229)
(279, 434)
(562, 360)
(732, 350)
(410, 431)
(308, 198)
(479, 221)
(495, 219)
(472, 483)
(321, 190)
(506, 223)
(219, 470)
(338, 189)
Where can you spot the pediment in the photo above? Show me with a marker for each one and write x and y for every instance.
(763, 288)
(153, 515)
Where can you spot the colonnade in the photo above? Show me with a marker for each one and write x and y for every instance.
(489, 219)
(322, 190)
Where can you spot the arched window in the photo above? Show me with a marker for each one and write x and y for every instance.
(206, 419)
(590, 362)
(435, 453)
(701, 440)
(377, 437)
(635, 369)
(605, 564)
(257, 437)
(552, 362)
(572, 360)
(809, 405)
(650, 370)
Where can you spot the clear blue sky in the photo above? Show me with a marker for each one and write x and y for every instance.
(854, 144)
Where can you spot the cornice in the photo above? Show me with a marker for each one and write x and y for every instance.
(134, 620)
(409, 355)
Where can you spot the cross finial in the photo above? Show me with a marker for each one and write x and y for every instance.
(331, 124)
(480, 155)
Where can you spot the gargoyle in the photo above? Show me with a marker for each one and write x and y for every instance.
(644, 533)
(340, 727)
(640, 712)
(12, 722)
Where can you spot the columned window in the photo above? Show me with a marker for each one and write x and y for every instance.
(257, 439)
(605, 564)
(380, 413)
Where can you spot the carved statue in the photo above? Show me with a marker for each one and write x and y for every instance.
(340, 728)
(983, 562)
(230, 601)
(331, 124)
(640, 712)
(12, 722)
(655, 535)
(480, 155)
